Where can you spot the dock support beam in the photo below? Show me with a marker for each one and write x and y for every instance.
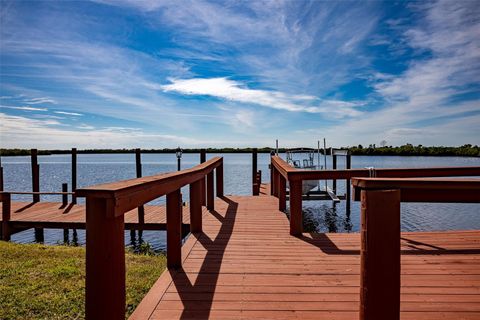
(203, 158)
(348, 187)
(6, 211)
(196, 206)
(210, 192)
(296, 227)
(380, 255)
(334, 167)
(35, 175)
(174, 229)
(74, 175)
(138, 167)
(255, 186)
(64, 195)
(105, 261)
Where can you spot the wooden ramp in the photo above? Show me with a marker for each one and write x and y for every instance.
(57, 216)
(245, 265)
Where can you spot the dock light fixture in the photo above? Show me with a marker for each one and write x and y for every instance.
(178, 153)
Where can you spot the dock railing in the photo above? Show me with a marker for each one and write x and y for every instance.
(281, 172)
(106, 205)
(380, 233)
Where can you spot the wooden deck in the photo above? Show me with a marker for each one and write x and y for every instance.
(55, 215)
(245, 265)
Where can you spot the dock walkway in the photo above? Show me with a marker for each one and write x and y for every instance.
(245, 265)
(25, 215)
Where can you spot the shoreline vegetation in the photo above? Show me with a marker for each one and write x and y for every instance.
(48, 282)
(408, 149)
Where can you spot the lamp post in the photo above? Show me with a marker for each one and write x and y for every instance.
(178, 153)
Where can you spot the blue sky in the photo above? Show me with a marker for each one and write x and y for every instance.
(155, 74)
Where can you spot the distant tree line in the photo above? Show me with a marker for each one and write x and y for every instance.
(408, 149)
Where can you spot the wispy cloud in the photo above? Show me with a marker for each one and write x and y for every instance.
(41, 100)
(234, 91)
(26, 108)
(68, 113)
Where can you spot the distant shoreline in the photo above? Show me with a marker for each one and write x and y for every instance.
(405, 150)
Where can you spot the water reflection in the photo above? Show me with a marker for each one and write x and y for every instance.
(326, 216)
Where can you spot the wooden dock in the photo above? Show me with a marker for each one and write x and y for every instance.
(245, 259)
(25, 215)
(245, 265)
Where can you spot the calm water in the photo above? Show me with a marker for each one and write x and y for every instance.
(321, 216)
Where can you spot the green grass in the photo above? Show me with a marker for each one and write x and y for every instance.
(48, 282)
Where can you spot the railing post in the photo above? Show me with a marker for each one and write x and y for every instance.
(254, 171)
(64, 195)
(74, 174)
(296, 218)
(174, 229)
(334, 167)
(210, 192)
(380, 255)
(282, 193)
(203, 158)
(138, 167)
(348, 187)
(6, 210)
(196, 206)
(105, 261)
(1, 178)
(35, 174)
(219, 180)
(272, 178)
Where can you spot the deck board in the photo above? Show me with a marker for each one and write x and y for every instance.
(245, 265)
(54, 215)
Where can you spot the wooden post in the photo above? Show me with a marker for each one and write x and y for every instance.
(380, 255)
(196, 206)
(174, 229)
(138, 167)
(219, 180)
(6, 210)
(203, 158)
(272, 183)
(1, 178)
(282, 193)
(65, 195)
(296, 218)
(210, 193)
(105, 261)
(35, 174)
(259, 177)
(334, 167)
(74, 175)
(254, 171)
(348, 187)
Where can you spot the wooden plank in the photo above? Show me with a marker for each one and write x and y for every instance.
(245, 265)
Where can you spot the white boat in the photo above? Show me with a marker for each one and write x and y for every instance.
(303, 158)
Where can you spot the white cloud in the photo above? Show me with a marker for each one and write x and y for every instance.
(40, 100)
(26, 108)
(234, 91)
(22, 132)
(68, 113)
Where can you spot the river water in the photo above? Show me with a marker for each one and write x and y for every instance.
(320, 216)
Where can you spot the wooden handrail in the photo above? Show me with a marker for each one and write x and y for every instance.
(130, 194)
(380, 233)
(39, 193)
(282, 172)
(106, 205)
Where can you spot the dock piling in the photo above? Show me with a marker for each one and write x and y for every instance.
(64, 195)
(254, 172)
(6, 211)
(74, 175)
(138, 167)
(35, 174)
(203, 158)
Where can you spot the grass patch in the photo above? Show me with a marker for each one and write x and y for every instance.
(48, 282)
